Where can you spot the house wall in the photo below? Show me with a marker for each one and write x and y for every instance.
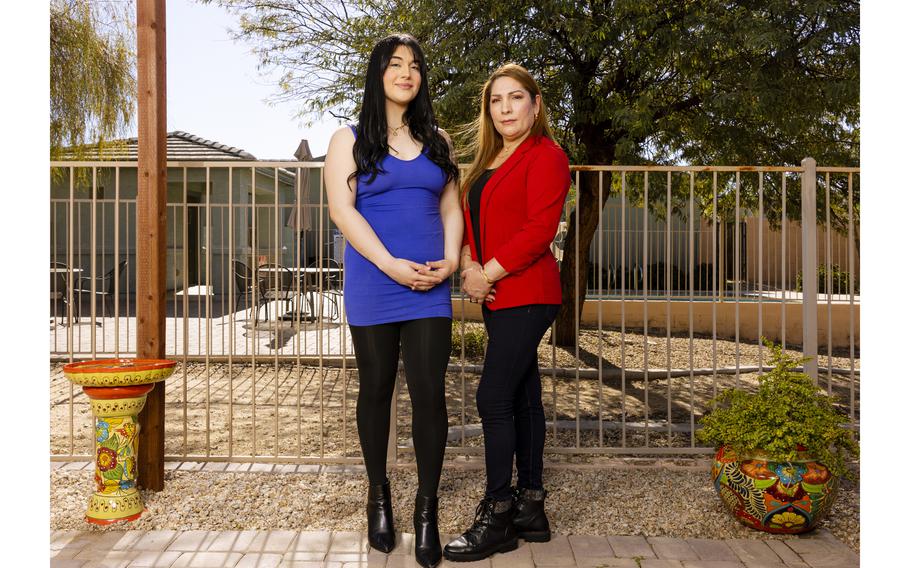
(607, 249)
(777, 323)
(773, 274)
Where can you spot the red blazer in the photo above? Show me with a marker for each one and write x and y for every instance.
(520, 210)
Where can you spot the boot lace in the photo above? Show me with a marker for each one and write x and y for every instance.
(482, 515)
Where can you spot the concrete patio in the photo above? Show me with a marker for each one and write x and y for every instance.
(342, 549)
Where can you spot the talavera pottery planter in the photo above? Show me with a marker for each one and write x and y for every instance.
(117, 389)
(775, 497)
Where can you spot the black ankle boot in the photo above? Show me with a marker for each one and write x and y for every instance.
(380, 528)
(427, 549)
(491, 532)
(529, 519)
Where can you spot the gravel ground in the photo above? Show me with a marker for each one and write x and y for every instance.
(648, 501)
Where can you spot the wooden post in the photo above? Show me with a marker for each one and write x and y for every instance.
(151, 209)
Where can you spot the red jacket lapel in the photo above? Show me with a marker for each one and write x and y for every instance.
(501, 173)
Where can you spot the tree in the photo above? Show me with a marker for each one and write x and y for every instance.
(692, 81)
(92, 66)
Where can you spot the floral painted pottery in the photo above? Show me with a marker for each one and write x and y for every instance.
(117, 390)
(119, 372)
(775, 497)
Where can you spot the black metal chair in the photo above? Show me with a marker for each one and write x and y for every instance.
(104, 285)
(330, 277)
(245, 278)
(612, 280)
(59, 272)
(276, 283)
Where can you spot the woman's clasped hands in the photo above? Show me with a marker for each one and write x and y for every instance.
(416, 276)
(475, 285)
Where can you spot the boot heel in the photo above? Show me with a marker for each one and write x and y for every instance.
(535, 536)
(509, 546)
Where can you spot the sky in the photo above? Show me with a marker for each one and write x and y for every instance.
(215, 91)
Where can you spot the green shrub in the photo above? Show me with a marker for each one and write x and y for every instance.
(475, 338)
(787, 412)
(840, 281)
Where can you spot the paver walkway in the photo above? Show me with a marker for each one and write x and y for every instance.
(340, 549)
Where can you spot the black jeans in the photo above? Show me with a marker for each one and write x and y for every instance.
(425, 346)
(509, 398)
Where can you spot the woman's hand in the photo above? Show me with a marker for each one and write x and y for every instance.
(474, 284)
(468, 262)
(441, 269)
(407, 273)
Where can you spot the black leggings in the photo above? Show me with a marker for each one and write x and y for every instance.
(425, 347)
(509, 397)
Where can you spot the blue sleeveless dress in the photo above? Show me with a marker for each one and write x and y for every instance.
(402, 207)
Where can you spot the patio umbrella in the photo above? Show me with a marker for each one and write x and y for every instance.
(299, 217)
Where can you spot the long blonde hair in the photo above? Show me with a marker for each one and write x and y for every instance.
(484, 142)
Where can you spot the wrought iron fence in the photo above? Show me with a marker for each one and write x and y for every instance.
(688, 268)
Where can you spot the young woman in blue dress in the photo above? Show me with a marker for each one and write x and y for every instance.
(392, 189)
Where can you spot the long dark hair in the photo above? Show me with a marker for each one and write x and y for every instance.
(372, 143)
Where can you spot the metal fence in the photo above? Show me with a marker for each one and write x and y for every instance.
(688, 268)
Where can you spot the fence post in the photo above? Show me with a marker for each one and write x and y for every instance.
(810, 269)
(151, 228)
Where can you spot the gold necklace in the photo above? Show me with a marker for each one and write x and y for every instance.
(506, 151)
(397, 129)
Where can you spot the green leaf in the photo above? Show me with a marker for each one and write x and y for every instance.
(93, 84)
(115, 473)
(812, 488)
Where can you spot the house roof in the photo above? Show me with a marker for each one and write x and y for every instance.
(186, 147)
(181, 146)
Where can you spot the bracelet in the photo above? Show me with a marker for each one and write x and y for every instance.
(485, 277)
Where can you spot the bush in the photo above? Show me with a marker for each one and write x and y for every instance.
(787, 414)
(475, 339)
(840, 281)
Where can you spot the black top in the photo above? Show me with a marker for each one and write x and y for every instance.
(474, 204)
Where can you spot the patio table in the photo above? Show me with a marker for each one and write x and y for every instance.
(307, 289)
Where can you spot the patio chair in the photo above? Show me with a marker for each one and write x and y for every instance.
(59, 289)
(331, 281)
(104, 285)
(612, 278)
(244, 278)
(276, 282)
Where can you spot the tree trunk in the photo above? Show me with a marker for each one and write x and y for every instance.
(585, 217)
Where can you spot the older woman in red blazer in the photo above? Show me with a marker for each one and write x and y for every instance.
(512, 197)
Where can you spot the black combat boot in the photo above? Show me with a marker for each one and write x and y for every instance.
(491, 532)
(529, 518)
(427, 549)
(380, 528)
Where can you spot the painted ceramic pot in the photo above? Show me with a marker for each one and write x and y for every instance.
(119, 372)
(117, 390)
(775, 497)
